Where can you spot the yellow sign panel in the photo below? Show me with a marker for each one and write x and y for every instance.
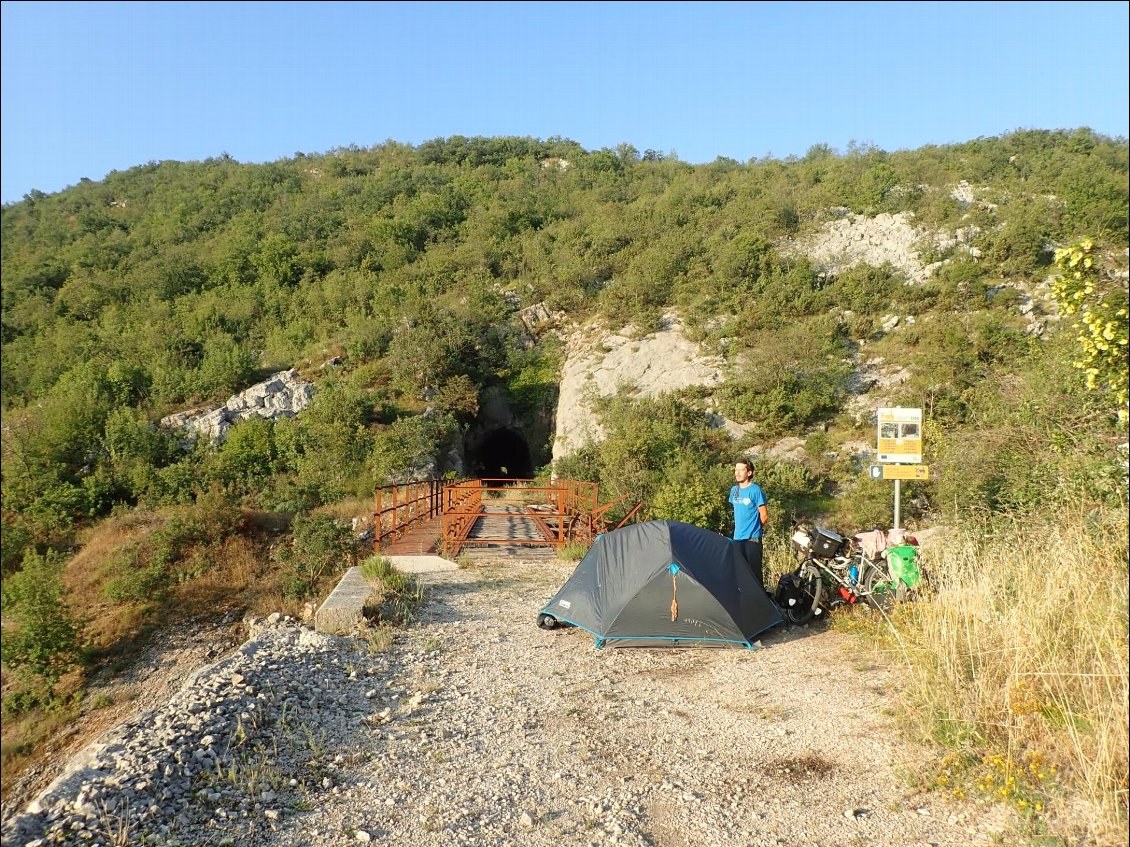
(919, 472)
(900, 435)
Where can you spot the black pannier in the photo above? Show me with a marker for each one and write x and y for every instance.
(789, 591)
(826, 543)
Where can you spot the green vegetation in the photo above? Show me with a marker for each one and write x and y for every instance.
(43, 642)
(573, 551)
(1101, 304)
(318, 550)
(395, 594)
(174, 284)
(146, 568)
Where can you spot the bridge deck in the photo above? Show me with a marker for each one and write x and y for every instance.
(421, 539)
(512, 532)
(510, 529)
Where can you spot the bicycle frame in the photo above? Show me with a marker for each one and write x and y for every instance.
(836, 573)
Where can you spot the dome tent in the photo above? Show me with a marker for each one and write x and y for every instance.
(663, 583)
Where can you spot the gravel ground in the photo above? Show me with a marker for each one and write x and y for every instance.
(476, 727)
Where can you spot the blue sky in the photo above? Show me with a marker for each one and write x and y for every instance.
(88, 88)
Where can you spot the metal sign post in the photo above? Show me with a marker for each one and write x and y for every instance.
(899, 439)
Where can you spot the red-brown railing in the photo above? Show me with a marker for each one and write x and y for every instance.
(562, 511)
(566, 511)
(463, 503)
(398, 507)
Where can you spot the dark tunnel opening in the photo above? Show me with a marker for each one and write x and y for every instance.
(502, 453)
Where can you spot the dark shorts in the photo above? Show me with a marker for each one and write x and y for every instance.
(751, 549)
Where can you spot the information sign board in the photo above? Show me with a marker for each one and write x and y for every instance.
(900, 436)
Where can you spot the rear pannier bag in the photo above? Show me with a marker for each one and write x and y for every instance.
(903, 562)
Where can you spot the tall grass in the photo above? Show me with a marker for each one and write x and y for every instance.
(1019, 665)
(573, 551)
(395, 594)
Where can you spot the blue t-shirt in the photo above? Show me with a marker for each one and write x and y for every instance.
(747, 515)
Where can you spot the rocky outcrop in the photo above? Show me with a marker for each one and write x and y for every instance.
(539, 316)
(856, 239)
(596, 364)
(281, 396)
(872, 386)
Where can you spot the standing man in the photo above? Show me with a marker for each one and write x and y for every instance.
(750, 516)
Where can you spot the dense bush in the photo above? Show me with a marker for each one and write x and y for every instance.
(696, 495)
(645, 438)
(789, 486)
(319, 548)
(42, 642)
(248, 458)
(789, 378)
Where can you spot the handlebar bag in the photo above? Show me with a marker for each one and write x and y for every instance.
(826, 543)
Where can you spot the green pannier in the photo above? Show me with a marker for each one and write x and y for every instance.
(903, 562)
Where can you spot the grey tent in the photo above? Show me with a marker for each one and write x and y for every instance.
(663, 583)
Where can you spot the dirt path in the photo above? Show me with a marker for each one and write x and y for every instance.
(516, 735)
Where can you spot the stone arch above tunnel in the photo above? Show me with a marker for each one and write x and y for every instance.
(501, 452)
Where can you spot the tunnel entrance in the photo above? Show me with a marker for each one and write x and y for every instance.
(502, 453)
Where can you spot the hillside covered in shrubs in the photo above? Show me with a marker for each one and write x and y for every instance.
(174, 284)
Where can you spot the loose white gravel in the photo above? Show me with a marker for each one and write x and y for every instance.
(477, 728)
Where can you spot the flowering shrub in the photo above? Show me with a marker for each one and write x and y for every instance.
(1081, 289)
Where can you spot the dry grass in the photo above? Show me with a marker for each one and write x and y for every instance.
(573, 551)
(85, 574)
(231, 574)
(1019, 665)
(239, 575)
(346, 510)
(24, 739)
(234, 572)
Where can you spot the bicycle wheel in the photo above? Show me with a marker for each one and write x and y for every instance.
(880, 590)
(807, 605)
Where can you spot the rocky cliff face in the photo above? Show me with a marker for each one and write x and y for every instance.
(598, 360)
(597, 363)
(884, 239)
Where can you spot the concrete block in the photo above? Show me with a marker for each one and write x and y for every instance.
(341, 611)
